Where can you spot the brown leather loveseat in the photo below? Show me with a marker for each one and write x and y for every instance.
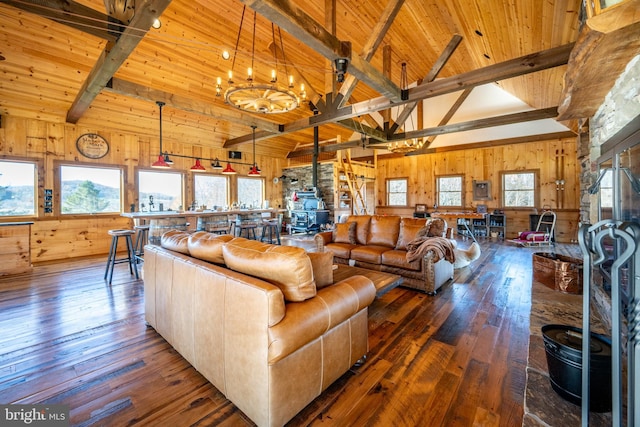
(379, 242)
(255, 319)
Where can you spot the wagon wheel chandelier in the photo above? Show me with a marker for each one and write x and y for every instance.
(255, 97)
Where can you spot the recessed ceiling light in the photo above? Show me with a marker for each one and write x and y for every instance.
(156, 23)
(226, 55)
(479, 33)
(2, 58)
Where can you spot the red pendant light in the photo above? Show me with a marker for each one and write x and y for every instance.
(198, 167)
(160, 163)
(229, 170)
(254, 171)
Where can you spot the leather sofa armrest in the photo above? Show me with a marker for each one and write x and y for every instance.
(322, 239)
(307, 320)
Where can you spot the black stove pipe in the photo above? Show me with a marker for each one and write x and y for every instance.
(314, 167)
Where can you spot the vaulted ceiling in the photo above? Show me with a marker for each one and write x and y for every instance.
(66, 67)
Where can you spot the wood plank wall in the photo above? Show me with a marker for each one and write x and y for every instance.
(54, 237)
(552, 160)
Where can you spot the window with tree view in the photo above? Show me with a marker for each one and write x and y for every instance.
(397, 192)
(90, 190)
(210, 190)
(449, 190)
(518, 189)
(250, 192)
(17, 188)
(159, 189)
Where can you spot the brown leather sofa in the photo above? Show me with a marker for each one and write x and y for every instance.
(250, 318)
(379, 242)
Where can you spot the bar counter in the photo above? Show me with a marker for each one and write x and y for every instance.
(162, 221)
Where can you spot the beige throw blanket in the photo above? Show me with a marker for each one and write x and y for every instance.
(442, 248)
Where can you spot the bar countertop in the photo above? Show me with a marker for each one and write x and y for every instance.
(204, 213)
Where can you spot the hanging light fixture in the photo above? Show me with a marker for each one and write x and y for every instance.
(216, 164)
(254, 171)
(229, 170)
(197, 167)
(161, 163)
(255, 97)
(407, 145)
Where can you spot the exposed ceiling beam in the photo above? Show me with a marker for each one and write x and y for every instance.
(72, 14)
(505, 141)
(507, 119)
(515, 67)
(329, 148)
(133, 90)
(372, 44)
(297, 23)
(114, 55)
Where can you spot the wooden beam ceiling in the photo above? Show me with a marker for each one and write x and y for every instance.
(519, 66)
(115, 54)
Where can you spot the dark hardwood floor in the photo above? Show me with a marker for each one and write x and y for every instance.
(456, 359)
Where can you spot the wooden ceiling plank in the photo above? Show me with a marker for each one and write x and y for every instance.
(371, 46)
(296, 22)
(114, 56)
(70, 13)
(134, 90)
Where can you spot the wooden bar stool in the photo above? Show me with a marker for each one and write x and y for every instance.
(130, 259)
(142, 237)
(248, 224)
(270, 226)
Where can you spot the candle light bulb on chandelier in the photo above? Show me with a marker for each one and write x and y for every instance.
(249, 74)
(230, 80)
(274, 76)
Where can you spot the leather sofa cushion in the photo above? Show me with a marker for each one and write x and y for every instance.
(398, 259)
(408, 233)
(322, 266)
(308, 320)
(362, 227)
(287, 267)
(383, 230)
(175, 240)
(208, 246)
(341, 250)
(370, 253)
(345, 233)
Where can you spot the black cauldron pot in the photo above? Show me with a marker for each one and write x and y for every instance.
(563, 347)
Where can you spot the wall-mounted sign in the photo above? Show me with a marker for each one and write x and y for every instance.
(92, 145)
(235, 155)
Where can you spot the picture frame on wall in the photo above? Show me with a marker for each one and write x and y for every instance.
(481, 190)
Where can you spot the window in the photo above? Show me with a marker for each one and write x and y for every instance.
(90, 190)
(397, 192)
(159, 188)
(518, 189)
(17, 188)
(449, 190)
(606, 190)
(250, 192)
(210, 190)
